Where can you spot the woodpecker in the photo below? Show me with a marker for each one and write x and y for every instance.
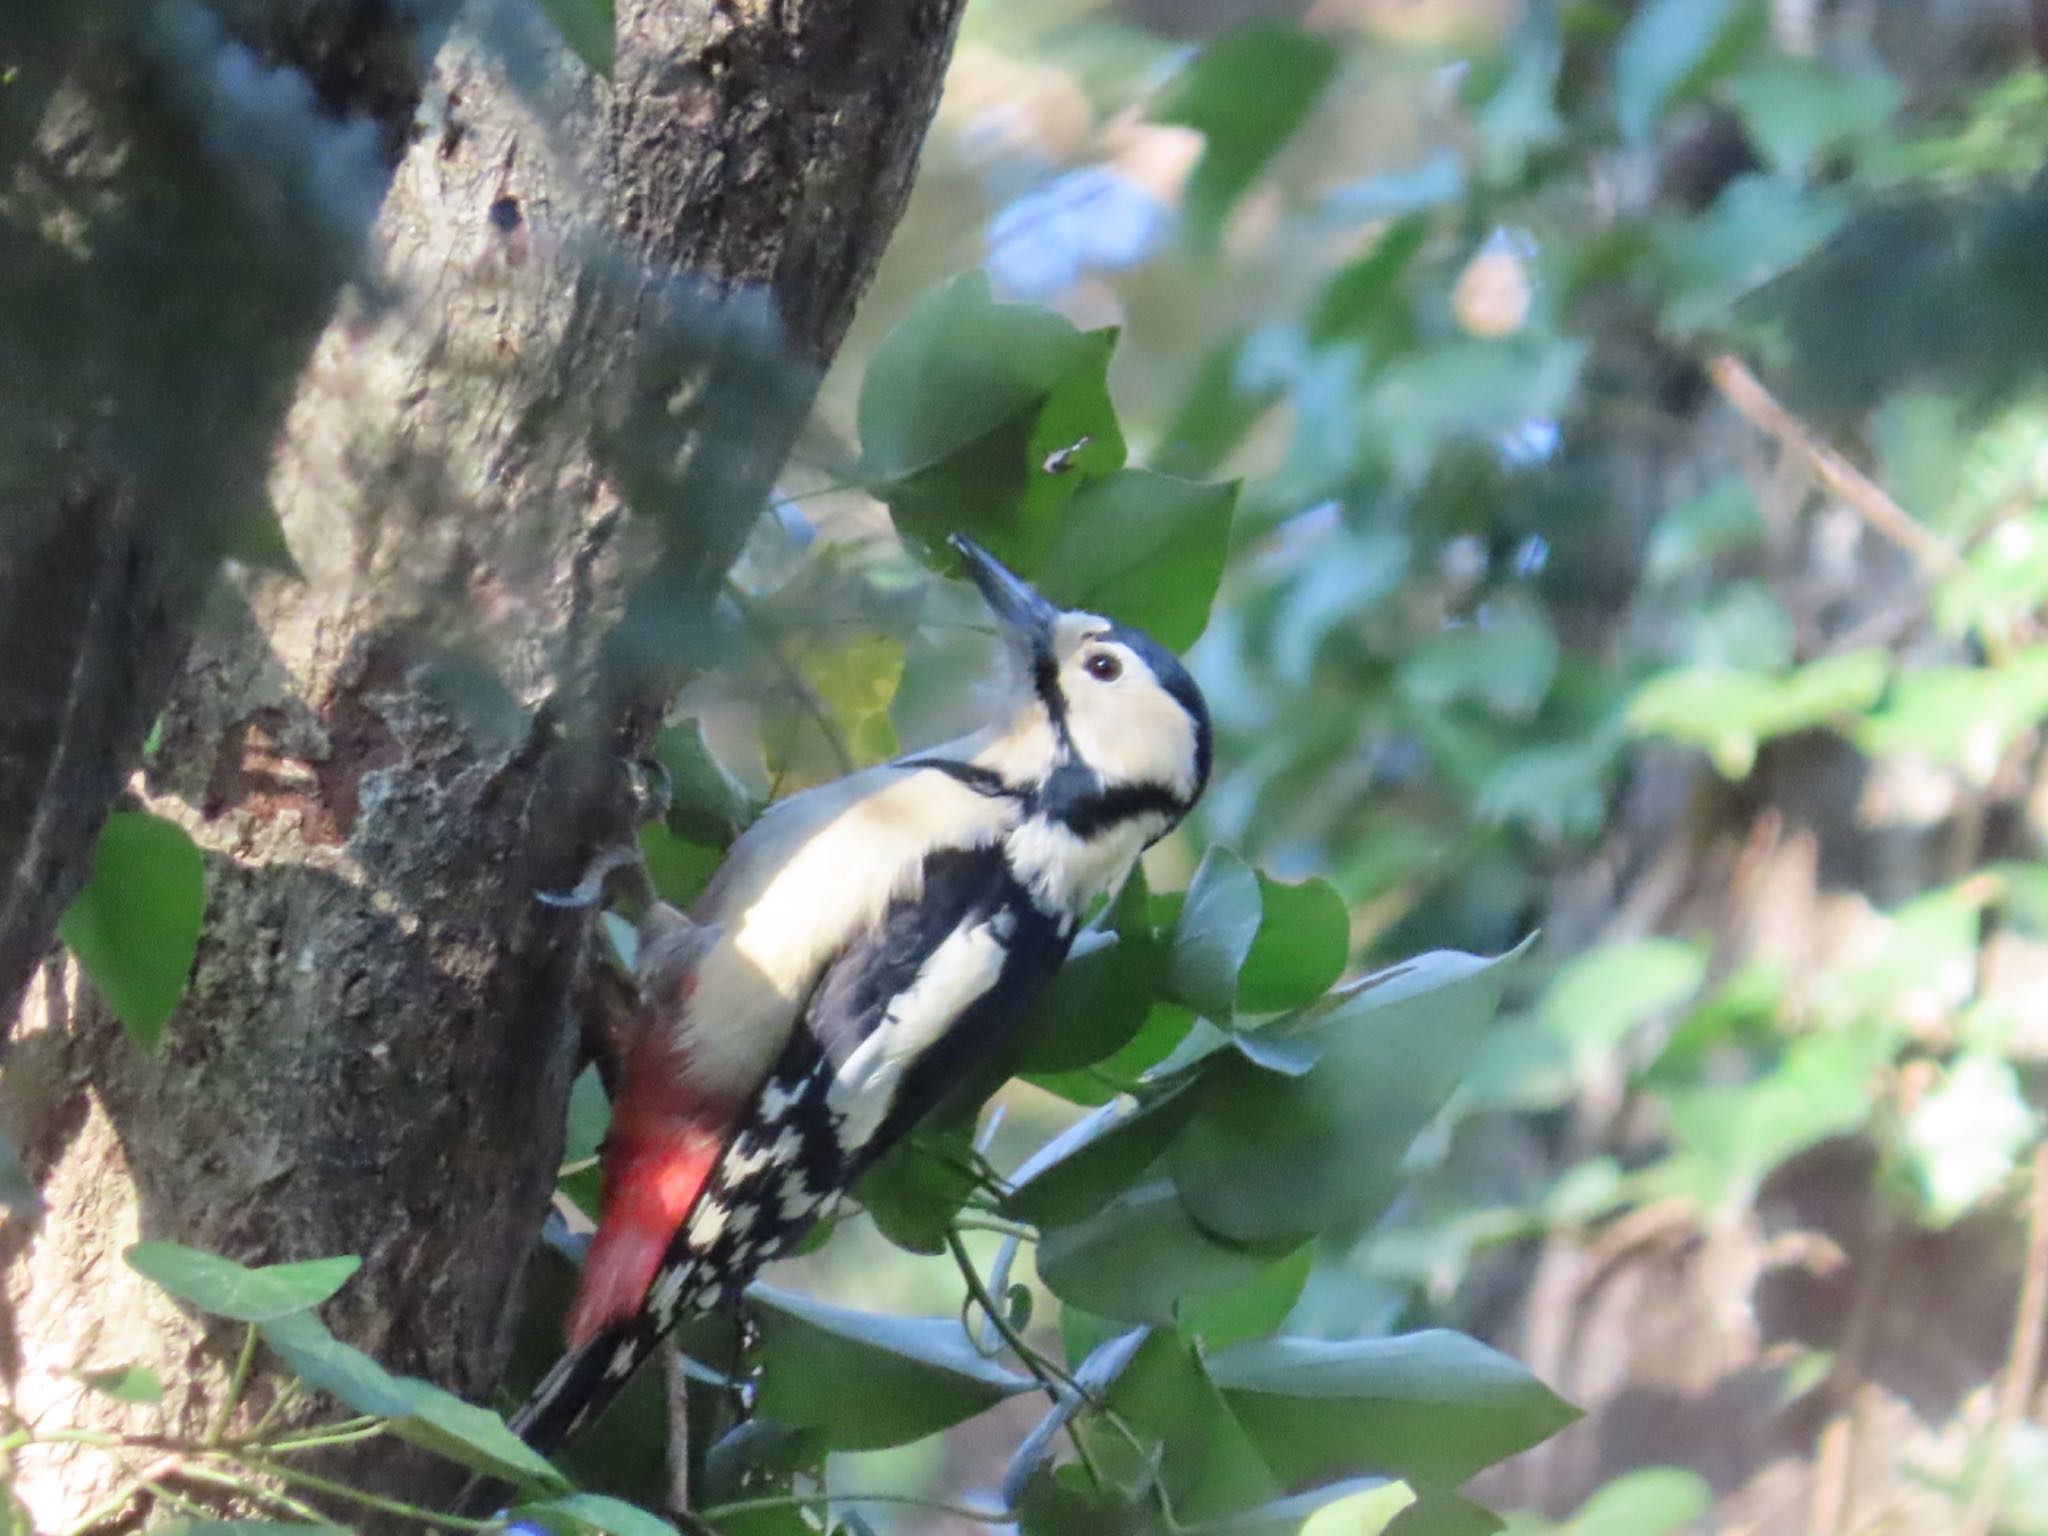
(865, 946)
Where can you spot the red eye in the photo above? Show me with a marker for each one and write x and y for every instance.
(1103, 667)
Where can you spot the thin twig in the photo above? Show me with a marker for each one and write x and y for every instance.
(2023, 1360)
(1835, 1458)
(1746, 392)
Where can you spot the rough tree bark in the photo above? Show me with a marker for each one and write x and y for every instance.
(513, 461)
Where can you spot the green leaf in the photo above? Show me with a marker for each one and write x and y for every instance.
(420, 1412)
(227, 1289)
(125, 1383)
(1359, 1506)
(1729, 1138)
(1214, 933)
(135, 925)
(1692, 532)
(1437, 1513)
(1208, 1464)
(1267, 1158)
(1246, 94)
(1758, 228)
(1094, 1005)
(1431, 1408)
(1142, 1255)
(1064, 1501)
(1076, 1174)
(18, 1193)
(679, 871)
(1255, 1309)
(1730, 713)
(1558, 789)
(1303, 942)
(575, 1513)
(1967, 717)
(1666, 50)
(1505, 663)
(707, 804)
(1652, 1501)
(868, 1380)
(1146, 550)
(950, 417)
(590, 1114)
(1598, 997)
(587, 27)
(917, 1187)
(1795, 110)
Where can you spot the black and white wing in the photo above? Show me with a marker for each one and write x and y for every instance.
(896, 1022)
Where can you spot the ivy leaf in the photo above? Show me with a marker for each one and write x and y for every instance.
(227, 1289)
(1505, 663)
(420, 1412)
(914, 1190)
(1720, 518)
(1795, 109)
(1094, 1005)
(1270, 1158)
(575, 1513)
(1303, 941)
(1652, 1501)
(1359, 1506)
(708, 804)
(1140, 1256)
(1731, 713)
(135, 925)
(1076, 1174)
(125, 1383)
(956, 412)
(1670, 47)
(868, 1380)
(1146, 550)
(587, 27)
(1431, 1408)
(1246, 94)
(1759, 227)
(1213, 934)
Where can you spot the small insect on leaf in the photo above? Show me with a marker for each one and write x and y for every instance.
(1060, 460)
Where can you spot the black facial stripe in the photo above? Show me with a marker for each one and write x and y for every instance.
(1086, 815)
(983, 781)
(1045, 678)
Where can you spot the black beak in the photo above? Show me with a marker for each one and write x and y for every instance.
(1027, 617)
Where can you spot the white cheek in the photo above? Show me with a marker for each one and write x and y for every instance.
(1133, 732)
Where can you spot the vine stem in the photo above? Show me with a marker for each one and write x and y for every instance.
(1056, 1382)
(237, 1384)
(307, 1480)
(1050, 1376)
(808, 1500)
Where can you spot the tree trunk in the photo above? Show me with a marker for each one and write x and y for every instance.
(513, 468)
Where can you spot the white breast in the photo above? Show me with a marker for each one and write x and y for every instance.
(815, 872)
(1066, 872)
(964, 965)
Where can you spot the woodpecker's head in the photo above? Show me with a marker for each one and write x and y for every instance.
(1093, 710)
